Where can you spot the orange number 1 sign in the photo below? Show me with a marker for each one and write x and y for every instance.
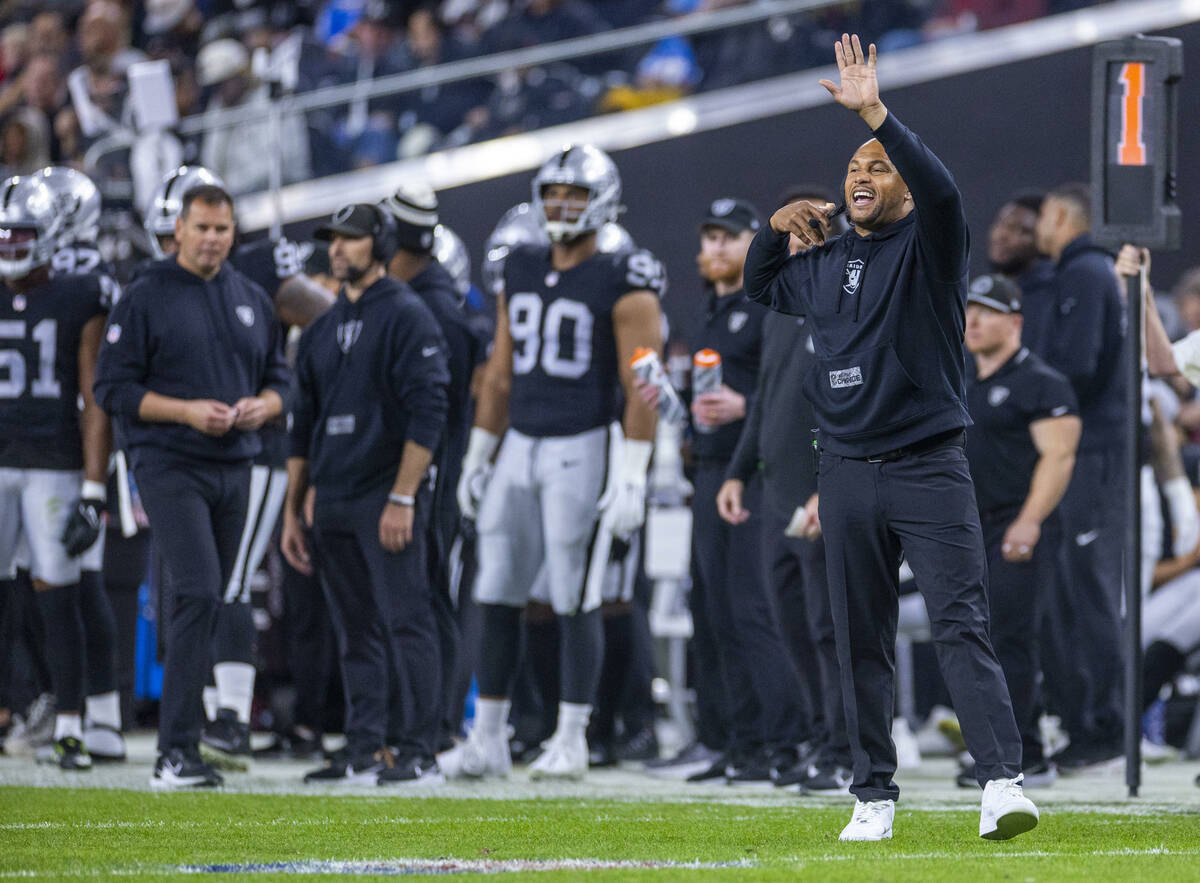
(1131, 151)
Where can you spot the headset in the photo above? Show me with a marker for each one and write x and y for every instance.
(385, 238)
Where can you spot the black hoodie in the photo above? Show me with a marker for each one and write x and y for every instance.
(178, 335)
(886, 311)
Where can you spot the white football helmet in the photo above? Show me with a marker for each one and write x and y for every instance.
(167, 202)
(30, 225)
(78, 203)
(452, 254)
(583, 166)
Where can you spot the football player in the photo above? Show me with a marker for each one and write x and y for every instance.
(53, 457)
(567, 480)
(76, 253)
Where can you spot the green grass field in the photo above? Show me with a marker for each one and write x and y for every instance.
(63, 833)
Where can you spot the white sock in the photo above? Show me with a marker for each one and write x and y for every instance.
(104, 709)
(68, 725)
(491, 716)
(573, 718)
(235, 688)
(209, 696)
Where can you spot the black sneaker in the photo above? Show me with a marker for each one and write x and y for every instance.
(692, 759)
(413, 771)
(1081, 759)
(601, 754)
(336, 767)
(828, 778)
(759, 768)
(717, 769)
(225, 742)
(71, 754)
(641, 746)
(179, 769)
(292, 745)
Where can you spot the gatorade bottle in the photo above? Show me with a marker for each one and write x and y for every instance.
(648, 368)
(706, 377)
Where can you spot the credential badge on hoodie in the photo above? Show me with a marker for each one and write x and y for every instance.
(846, 377)
(347, 333)
(852, 275)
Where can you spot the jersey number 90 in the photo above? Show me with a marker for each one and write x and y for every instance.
(559, 336)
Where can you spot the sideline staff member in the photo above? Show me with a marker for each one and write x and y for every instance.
(886, 303)
(370, 411)
(191, 367)
(1021, 450)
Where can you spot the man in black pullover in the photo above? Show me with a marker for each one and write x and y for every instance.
(886, 304)
(369, 412)
(191, 367)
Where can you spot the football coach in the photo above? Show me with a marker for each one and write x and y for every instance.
(886, 303)
(369, 412)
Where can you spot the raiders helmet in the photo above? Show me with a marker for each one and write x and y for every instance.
(167, 202)
(30, 224)
(583, 166)
(452, 254)
(78, 203)
(518, 226)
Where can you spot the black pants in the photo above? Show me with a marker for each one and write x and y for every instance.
(196, 511)
(760, 680)
(797, 574)
(923, 506)
(1016, 593)
(1083, 656)
(311, 652)
(382, 612)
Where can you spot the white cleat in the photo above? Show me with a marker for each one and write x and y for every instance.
(450, 760)
(871, 821)
(485, 757)
(1006, 811)
(562, 757)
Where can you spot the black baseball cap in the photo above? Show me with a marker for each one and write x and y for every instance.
(355, 220)
(734, 215)
(995, 292)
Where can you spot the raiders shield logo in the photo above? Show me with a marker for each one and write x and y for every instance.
(738, 320)
(997, 395)
(19, 303)
(347, 333)
(245, 315)
(852, 276)
(721, 207)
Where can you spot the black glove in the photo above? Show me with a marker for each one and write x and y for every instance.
(83, 527)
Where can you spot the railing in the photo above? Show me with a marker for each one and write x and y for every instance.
(488, 65)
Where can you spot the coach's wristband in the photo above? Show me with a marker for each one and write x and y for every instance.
(94, 490)
(402, 500)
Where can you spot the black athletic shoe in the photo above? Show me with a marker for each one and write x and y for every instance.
(413, 771)
(759, 767)
(601, 754)
(1078, 759)
(227, 734)
(179, 769)
(335, 769)
(718, 769)
(641, 746)
(828, 778)
(292, 745)
(71, 754)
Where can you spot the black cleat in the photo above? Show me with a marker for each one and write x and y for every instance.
(179, 769)
(225, 742)
(71, 754)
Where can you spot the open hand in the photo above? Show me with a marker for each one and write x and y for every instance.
(859, 90)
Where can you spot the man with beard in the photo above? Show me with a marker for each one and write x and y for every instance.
(740, 654)
(1013, 253)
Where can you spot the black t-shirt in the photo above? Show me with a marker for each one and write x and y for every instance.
(1000, 447)
(565, 378)
(40, 331)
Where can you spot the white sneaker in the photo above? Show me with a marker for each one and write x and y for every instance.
(562, 757)
(103, 743)
(450, 760)
(485, 756)
(1006, 811)
(871, 821)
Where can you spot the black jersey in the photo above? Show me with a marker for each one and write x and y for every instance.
(565, 378)
(85, 259)
(270, 261)
(1000, 448)
(40, 331)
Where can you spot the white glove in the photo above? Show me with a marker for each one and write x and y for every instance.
(627, 509)
(476, 471)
